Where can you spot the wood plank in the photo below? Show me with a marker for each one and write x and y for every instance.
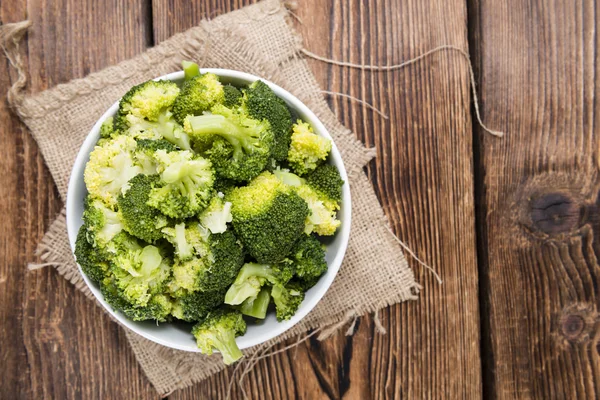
(538, 69)
(63, 344)
(423, 176)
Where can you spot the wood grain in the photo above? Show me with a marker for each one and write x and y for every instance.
(538, 69)
(423, 176)
(55, 342)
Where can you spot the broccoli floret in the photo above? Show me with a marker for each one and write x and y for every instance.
(197, 95)
(287, 300)
(322, 219)
(257, 306)
(158, 307)
(233, 96)
(139, 219)
(307, 149)
(327, 182)
(216, 216)
(268, 217)
(90, 260)
(253, 276)
(205, 261)
(186, 184)
(223, 185)
(102, 222)
(146, 101)
(107, 130)
(139, 271)
(190, 69)
(309, 260)
(262, 103)
(110, 167)
(218, 331)
(144, 153)
(194, 306)
(164, 128)
(238, 146)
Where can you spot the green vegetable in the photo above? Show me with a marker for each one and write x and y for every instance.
(268, 217)
(197, 95)
(309, 260)
(218, 331)
(262, 103)
(190, 69)
(257, 306)
(327, 182)
(307, 149)
(91, 262)
(253, 276)
(233, 96)
(238, 146)
(102, 223)
(287, 299)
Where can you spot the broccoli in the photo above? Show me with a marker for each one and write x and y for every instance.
(144, 153)
(190, 69)
(197, 95)
(223, 185)
(322, 219)
(102, 223)
(218, 331)
(164, 128)
(238, 146)
(309, 260)
(91, 262)
(204, 261)
(158, 307)
(107, 130)
(139, 270)
(233, 96)
(307, 149)
(110, 167)
(252, 277)
(146, 101)
(194, 306)
(262, 103)
(257, 306)
(185, 185)
(216, 216)
(268, 217)
(139, 219)
(327, 182)
(287, 299)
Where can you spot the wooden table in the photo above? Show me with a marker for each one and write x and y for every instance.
(510, 224)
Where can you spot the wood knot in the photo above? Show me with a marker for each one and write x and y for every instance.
(555, 213)
(577, 323)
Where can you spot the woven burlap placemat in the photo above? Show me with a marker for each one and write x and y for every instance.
(256, 39)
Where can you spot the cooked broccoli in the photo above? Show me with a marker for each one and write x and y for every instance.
(218, 331)
(110, 167)
(204, 261)
(139, 219)
(268, 217)
(327, 182)
(139, 270)
(158, 307)
(307, 149)
(233, 96)
(257, 306)
(287, 299)
(322, 218)
(309, 260)
(197, 95)
(223, 185)
(262, 103)
(107, 130)
(185, 186)
(190, 69)
(90, 260)
(144, 153)
(238, 146)
(252, 277)
(194, 306)
(164, 128)
(216, 216)
(146, 101)
(102, 223)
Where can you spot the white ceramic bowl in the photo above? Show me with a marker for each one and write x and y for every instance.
(177, 334)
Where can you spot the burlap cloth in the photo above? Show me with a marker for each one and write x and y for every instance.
(256, 39)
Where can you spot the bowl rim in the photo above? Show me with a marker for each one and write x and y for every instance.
(333, 268)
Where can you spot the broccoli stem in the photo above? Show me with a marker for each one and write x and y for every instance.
(190, 69)
(219, 125)
(225, 343)
(257, 307)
